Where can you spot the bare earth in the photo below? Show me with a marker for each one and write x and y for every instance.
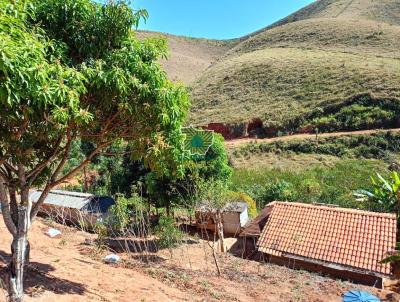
(243, 141)
(66, 270)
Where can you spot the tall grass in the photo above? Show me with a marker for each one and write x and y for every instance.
(317, 184)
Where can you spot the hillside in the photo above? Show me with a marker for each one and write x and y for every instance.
(189, 57)
(290, 74)
(69, 269)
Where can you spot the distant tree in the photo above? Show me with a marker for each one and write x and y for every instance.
(214, 196)
(73, 70)
(168, 190)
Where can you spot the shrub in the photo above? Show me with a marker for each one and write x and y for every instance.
(279, 190)
(168, 234)
(125, 213)
(251, 203)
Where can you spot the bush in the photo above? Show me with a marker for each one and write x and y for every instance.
(333, 184)
(125, 214)
(279, 190)
(377, 146)
(251, 203)
(168, 234)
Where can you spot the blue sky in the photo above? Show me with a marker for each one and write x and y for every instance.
(217, 19)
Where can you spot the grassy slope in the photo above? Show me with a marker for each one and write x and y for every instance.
(327, 171)
(338, 49)
(189, 57)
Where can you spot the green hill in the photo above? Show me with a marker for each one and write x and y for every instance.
(333, 64)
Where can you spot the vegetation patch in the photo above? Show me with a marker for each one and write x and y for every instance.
(379, 146)
(333, 184)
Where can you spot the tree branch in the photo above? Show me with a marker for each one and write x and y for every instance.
(53, 182)
(82, 164)
(50, 184)
(32, 175)
(10, 167)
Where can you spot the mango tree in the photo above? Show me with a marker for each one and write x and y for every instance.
(73, 70)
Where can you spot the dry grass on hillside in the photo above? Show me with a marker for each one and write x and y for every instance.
(350, 36)
(276, 84)
(387, 11)
(189, 57)
(327, 52)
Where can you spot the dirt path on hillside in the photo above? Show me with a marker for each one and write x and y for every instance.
(243, 141)
(63, 270)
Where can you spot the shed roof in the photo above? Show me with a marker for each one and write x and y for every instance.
(336, 236)
(254, 227)
(237, 207)
(72, 200)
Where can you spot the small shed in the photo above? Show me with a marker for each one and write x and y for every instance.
(344, 243)
(234, 217)
(76, 208)
(247, 242)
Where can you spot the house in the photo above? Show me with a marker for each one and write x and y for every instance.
(343, 243)
(234, 217)
(81, 209)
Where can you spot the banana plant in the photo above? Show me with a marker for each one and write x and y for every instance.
(385, 193)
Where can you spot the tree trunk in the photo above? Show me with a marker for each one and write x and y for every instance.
(220, 230)
(19, 256)
(85, 183)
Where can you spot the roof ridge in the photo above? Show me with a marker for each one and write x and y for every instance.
(336, 209)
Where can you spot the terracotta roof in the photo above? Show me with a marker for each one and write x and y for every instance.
(254, 227)
(344, 237)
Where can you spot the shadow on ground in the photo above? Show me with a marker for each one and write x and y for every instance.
(39, 279)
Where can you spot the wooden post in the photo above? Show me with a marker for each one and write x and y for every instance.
(220, 229)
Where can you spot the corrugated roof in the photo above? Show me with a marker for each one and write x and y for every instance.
(238, 207)
(73, 200)
(345, 237)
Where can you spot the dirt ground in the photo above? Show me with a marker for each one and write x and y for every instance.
(244, 141)
(67, 269)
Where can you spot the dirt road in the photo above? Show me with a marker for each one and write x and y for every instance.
(243, 141)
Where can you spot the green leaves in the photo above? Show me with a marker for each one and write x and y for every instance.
(74, 68)
(89, 29)
(385, 192)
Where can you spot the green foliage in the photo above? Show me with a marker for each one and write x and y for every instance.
(211, 193)
(275, 190)
(385, 195)
(243, 197)
(38, 95)
(169, 191)
(279, 190)
(73, 70)
(378, 145)
(88, 29)
(168, 233)
(332, 184)
(125, 213)
(357, 117)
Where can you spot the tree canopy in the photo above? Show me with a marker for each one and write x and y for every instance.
(73, 70)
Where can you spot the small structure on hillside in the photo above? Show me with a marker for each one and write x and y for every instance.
(81, 209)
(344, 243)
(234, 218)
(247, 242)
